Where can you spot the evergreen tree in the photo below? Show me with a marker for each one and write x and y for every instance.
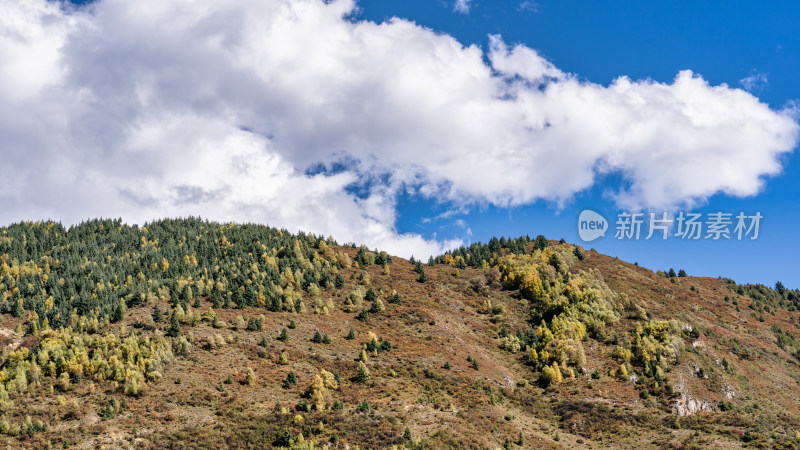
(284, 336)
(117, 314)
(157, 316)
(362, 376)
(338, 282)
(422, 277)
(174, 329)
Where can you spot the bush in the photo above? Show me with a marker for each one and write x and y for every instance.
(134, 384)
(284, 336)
(550, 375)
(511, 344)
(254, 324)
(363, 406)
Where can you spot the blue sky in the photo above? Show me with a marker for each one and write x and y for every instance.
(411, 126)
(725, 42)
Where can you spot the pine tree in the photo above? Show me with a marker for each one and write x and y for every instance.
(422, 277)
(174, 329)
(317, 339)
(157, 316)
(117, 314)
(338, 282)
(377, 306)
(363, 373)
(351, 334)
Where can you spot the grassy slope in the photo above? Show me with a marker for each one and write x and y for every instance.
(438, 322)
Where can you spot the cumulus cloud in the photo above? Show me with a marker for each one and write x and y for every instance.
(223, 109)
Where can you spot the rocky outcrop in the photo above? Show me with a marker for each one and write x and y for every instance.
(685, 405)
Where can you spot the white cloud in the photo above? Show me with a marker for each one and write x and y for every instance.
(162, 108)
(755, 82)
(529, 6)
(462, 6)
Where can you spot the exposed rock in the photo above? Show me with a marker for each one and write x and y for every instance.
(686, 405)
(729, 392)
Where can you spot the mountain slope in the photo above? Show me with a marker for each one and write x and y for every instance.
(266, 338)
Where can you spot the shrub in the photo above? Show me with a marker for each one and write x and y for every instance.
(291, 380)
(363, 406)
(284, 336)
(511, 344)
(134, 384)
(254, 324)
(550, 375)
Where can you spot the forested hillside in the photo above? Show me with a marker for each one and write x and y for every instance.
(187, 333)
